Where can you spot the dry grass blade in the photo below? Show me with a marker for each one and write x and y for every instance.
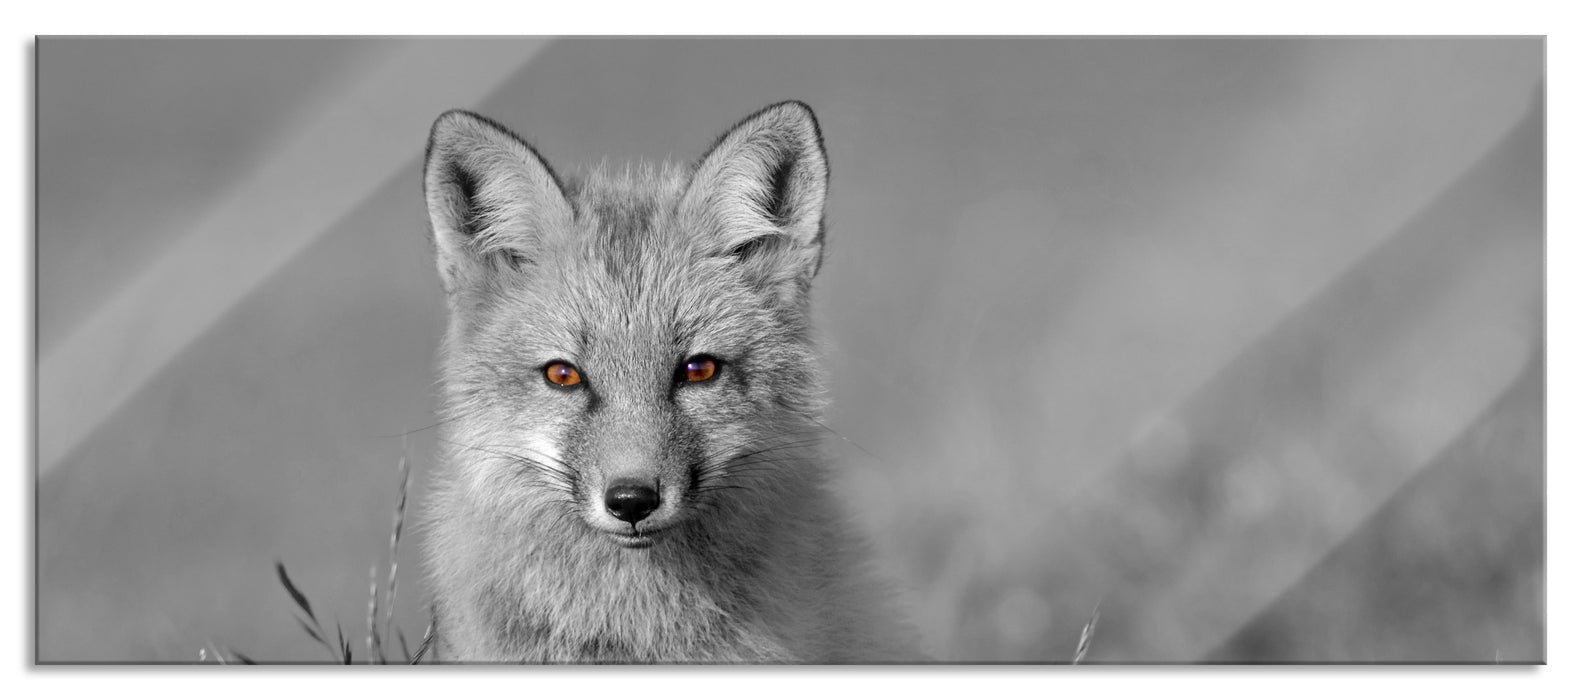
(376, 653)
(296, 595)
(346, 647)
(395, 544)
(223, 655)
(1087, 635)
(315, 635)
(428, 638)
(316, 630)
(219, 657)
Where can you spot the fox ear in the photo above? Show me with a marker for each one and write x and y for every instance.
(491, 198)
(760, 193)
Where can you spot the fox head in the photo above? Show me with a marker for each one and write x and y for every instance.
(628, 356)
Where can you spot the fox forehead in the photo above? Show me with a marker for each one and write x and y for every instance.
(578, 311)
(628, 276)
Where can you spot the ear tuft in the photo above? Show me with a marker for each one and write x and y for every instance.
(777, 204)
(760, 191)
(491, 198)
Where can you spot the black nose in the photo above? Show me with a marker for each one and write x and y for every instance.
(631, 501)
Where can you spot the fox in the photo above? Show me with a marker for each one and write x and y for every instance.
(632, 466)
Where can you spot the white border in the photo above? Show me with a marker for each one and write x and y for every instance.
(1199, 17)
(793, 17)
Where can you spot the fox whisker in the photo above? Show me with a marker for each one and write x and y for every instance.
(556, 476)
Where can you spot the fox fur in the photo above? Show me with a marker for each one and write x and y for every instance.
(624, 276)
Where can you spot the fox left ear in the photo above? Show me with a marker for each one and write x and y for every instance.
(759, 193)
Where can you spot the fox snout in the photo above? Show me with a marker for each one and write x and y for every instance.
(634, 502)
(631, 501)
(635, 478)
(633, 511)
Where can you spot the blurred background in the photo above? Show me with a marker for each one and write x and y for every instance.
(1256, 328)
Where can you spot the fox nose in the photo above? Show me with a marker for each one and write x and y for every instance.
(631, 501)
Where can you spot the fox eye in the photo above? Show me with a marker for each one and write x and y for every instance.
(699, 368)
(562, 374)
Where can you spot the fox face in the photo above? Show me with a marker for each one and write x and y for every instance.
(628, 357)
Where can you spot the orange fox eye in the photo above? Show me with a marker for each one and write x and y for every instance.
(699, 369)
(562, 374)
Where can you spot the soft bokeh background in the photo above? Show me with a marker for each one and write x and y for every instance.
(1238, 341)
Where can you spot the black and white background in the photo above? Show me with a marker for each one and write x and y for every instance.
(1254, 326)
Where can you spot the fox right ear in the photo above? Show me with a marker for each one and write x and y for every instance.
(491, 198)
(760, 193)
